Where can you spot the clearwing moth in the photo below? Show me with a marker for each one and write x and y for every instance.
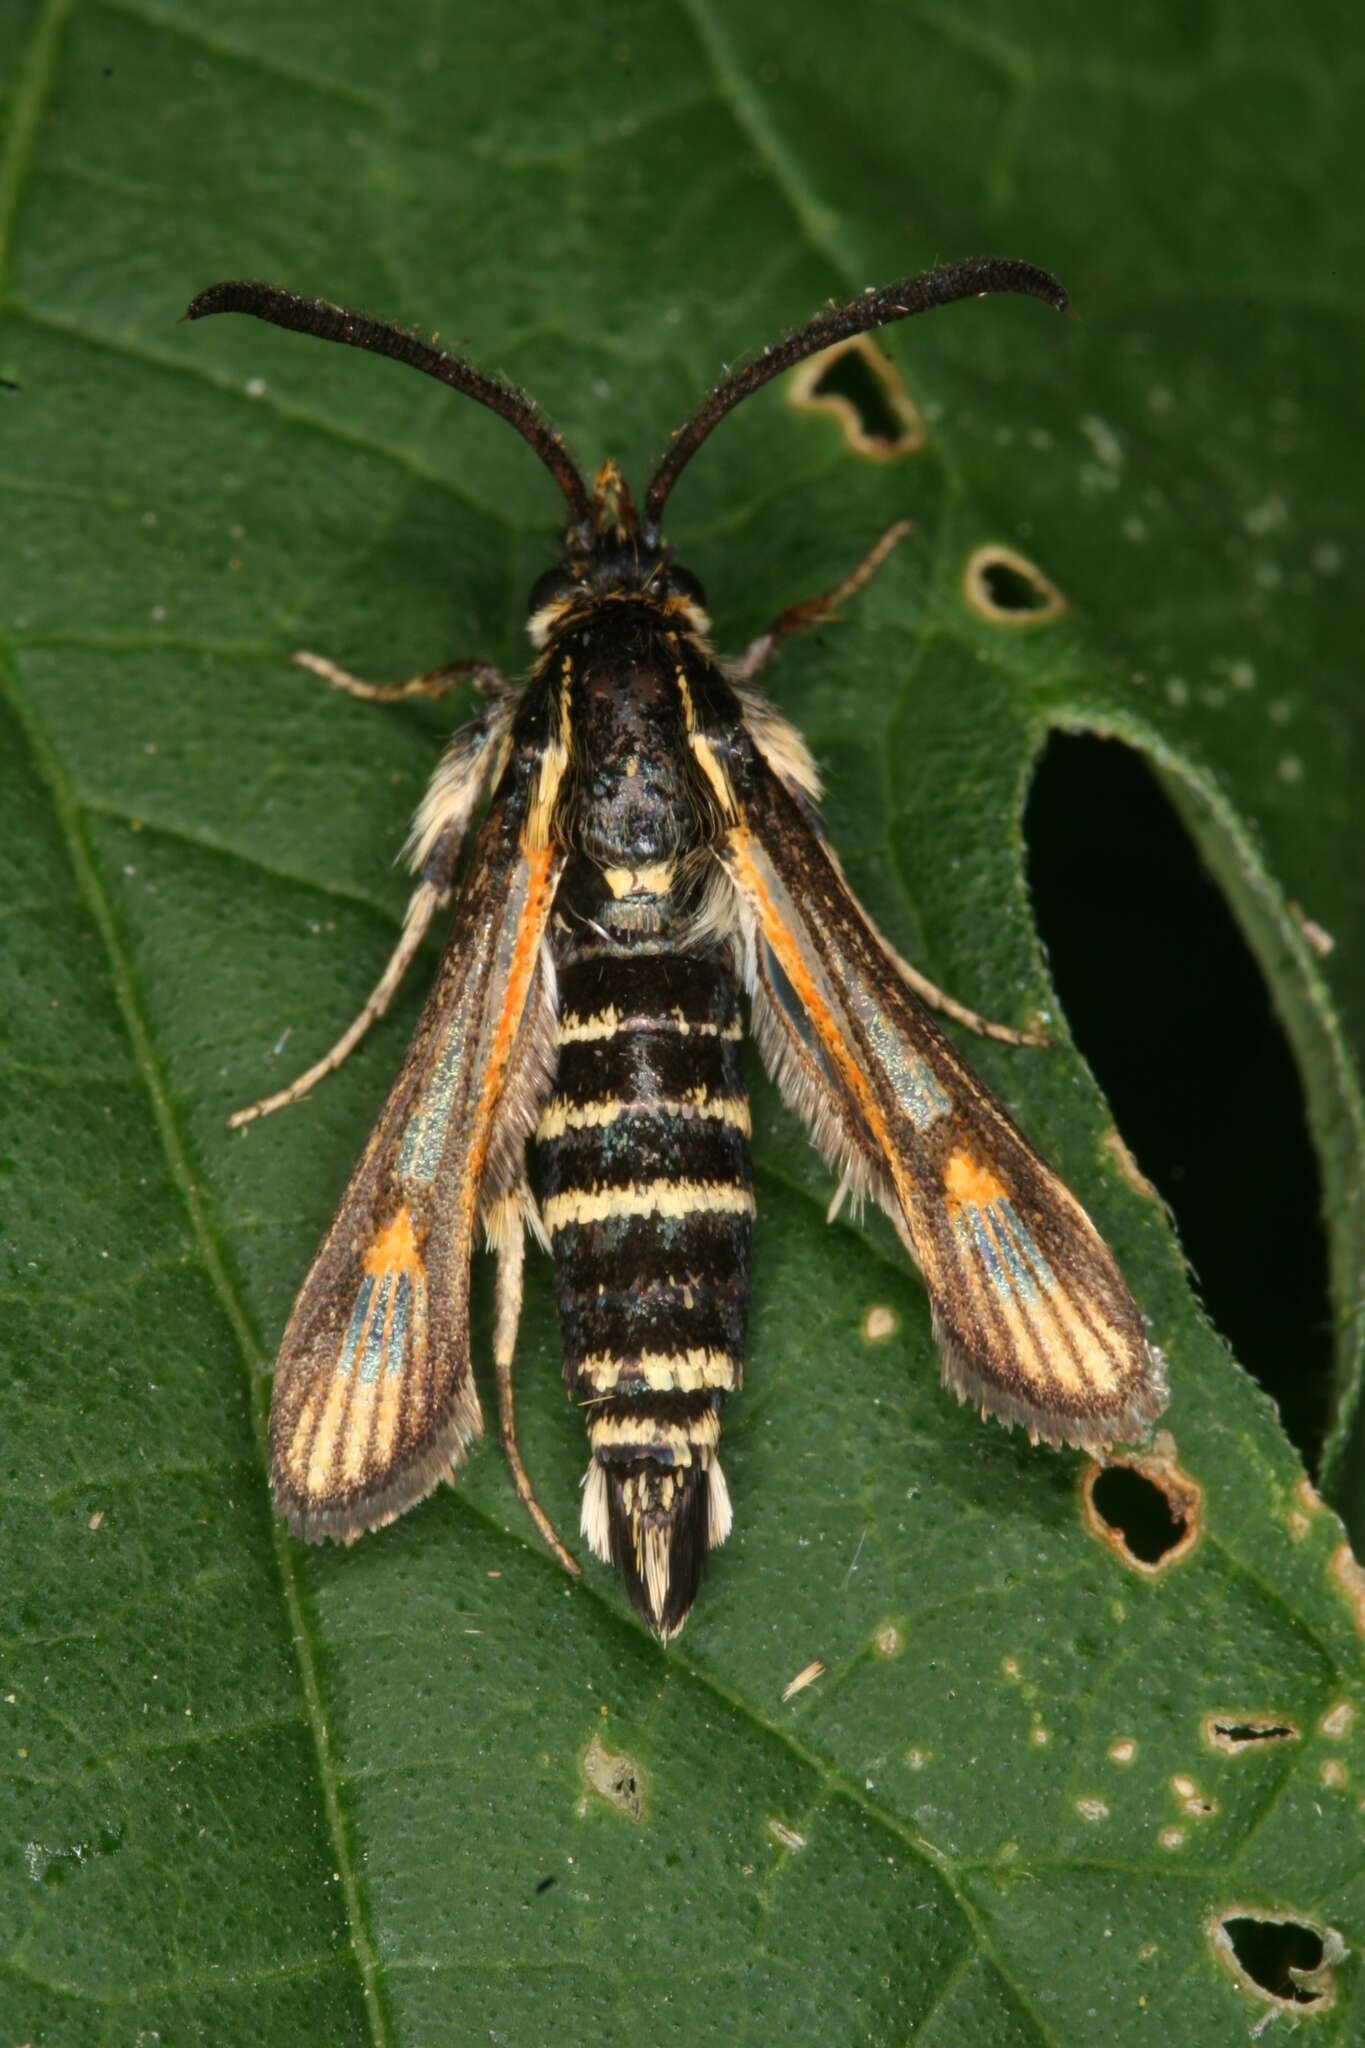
(652, 851)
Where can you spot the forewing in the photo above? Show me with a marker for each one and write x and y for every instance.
(1032, 1315)
(374, 1399)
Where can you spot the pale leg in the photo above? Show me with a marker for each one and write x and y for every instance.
(509, 1241)
(426, 898)
(435, 682)
(815, 611)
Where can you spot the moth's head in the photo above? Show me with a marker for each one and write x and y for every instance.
(613, 554)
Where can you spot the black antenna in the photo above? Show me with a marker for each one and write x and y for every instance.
(874, 309)
(356, 330)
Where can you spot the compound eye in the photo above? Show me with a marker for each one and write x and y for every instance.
(682, 583)
(549, 589)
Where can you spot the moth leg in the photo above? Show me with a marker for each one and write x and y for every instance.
(427, 898)
(982, 1026)
(815, 611)
(436, 682)
(508, 1240)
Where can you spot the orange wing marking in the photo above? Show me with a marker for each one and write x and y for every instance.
(394, 1250)
(965, 1184)
(428, 1131)
(360, 1414)
(525, 955)
(812, 1002)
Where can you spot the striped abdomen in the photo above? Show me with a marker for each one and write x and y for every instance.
(648, 1200)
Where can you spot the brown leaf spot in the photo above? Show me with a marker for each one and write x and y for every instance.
(1347, 1575)
(1113, 1144)
(616, 1779)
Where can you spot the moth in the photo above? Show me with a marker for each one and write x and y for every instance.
(651, 859)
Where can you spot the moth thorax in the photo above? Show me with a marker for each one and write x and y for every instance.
(630, 791)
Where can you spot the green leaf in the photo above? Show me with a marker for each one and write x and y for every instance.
(258, 1793)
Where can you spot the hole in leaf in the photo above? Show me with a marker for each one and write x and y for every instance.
(1173, 1015)
(857, 384)
(1269, 1950)
(1007, 588)
(848, 377)
(1284, 1960)
(1138, 1511)
(1233, 1737)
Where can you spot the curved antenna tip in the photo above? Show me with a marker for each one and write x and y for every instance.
(357, 330)
(976, 278)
